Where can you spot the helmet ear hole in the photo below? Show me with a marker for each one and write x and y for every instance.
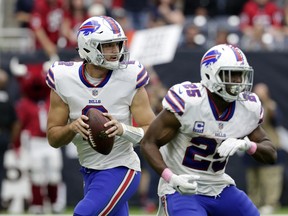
(121, 45)
(121, 58)
(208, 77)
(99, 48)
(86, 50)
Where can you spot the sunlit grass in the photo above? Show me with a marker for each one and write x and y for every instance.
(134, 211)
(139, 211)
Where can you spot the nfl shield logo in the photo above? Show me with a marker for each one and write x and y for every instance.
(94, 92)
(220, 126)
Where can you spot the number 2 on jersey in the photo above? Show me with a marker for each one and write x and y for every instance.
(208, 147)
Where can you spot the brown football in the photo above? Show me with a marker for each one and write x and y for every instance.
(98, 139)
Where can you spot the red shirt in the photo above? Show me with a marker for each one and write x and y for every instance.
(33, 116)
(75, 23)
(49, 17)
(268, 15)
(33, 107)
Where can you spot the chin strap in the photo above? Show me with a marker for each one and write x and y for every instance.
(132, 134)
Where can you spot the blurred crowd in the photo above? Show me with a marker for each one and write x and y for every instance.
(253, 25)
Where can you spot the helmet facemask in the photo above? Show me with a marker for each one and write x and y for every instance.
(229, 90)
(100, 58)
(119, 60)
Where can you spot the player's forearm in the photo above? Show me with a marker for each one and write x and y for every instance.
(266, 152)
(153, 156)
(59, 136)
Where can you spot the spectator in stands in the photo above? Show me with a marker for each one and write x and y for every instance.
(224, 36)
(265, 182)
(46, 162)
(213, 8)
(221, 36)
(98, 8)
(228, 7)
(166, 12)
(46, 21)
(192, 38)
(261, 24)
(285, 22)
(75, 14)
(192, 8)
(137, 13)
(23, 10)
(8, 124)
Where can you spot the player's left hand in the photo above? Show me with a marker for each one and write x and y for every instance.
(115, 126)
(231, 145)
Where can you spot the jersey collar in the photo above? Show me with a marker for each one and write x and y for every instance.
(87, 83)
(226, 115)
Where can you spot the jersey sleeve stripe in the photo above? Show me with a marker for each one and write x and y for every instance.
(143, 83)
(176, 103)
(51, 74)
(141, 74)
(50, 79)
(142, 78)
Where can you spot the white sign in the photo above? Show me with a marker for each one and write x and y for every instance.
(156, 45)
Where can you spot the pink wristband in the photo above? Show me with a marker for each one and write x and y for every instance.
(252, 149)
(166, 174)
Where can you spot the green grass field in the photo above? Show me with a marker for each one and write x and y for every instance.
(139, 212)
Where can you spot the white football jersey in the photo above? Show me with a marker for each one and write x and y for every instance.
(193, 150)
(112, 94)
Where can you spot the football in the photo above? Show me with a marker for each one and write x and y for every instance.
(98, 139)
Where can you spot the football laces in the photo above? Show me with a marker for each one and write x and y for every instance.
(91, 138)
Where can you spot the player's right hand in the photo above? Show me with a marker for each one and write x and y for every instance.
(80, 126)
(184, 184)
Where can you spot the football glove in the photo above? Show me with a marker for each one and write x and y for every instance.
(184, 184)
(231, 145)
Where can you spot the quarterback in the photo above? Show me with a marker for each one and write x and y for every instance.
(106, 80)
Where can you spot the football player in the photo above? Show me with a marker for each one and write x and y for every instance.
(201, 126)
(106, 80)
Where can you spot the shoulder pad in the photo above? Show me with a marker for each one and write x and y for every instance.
(59, 69)
(135, 71)
(181, 95)
(254, 105)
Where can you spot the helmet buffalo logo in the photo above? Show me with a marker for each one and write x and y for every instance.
(89, 28)
(211, 57)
